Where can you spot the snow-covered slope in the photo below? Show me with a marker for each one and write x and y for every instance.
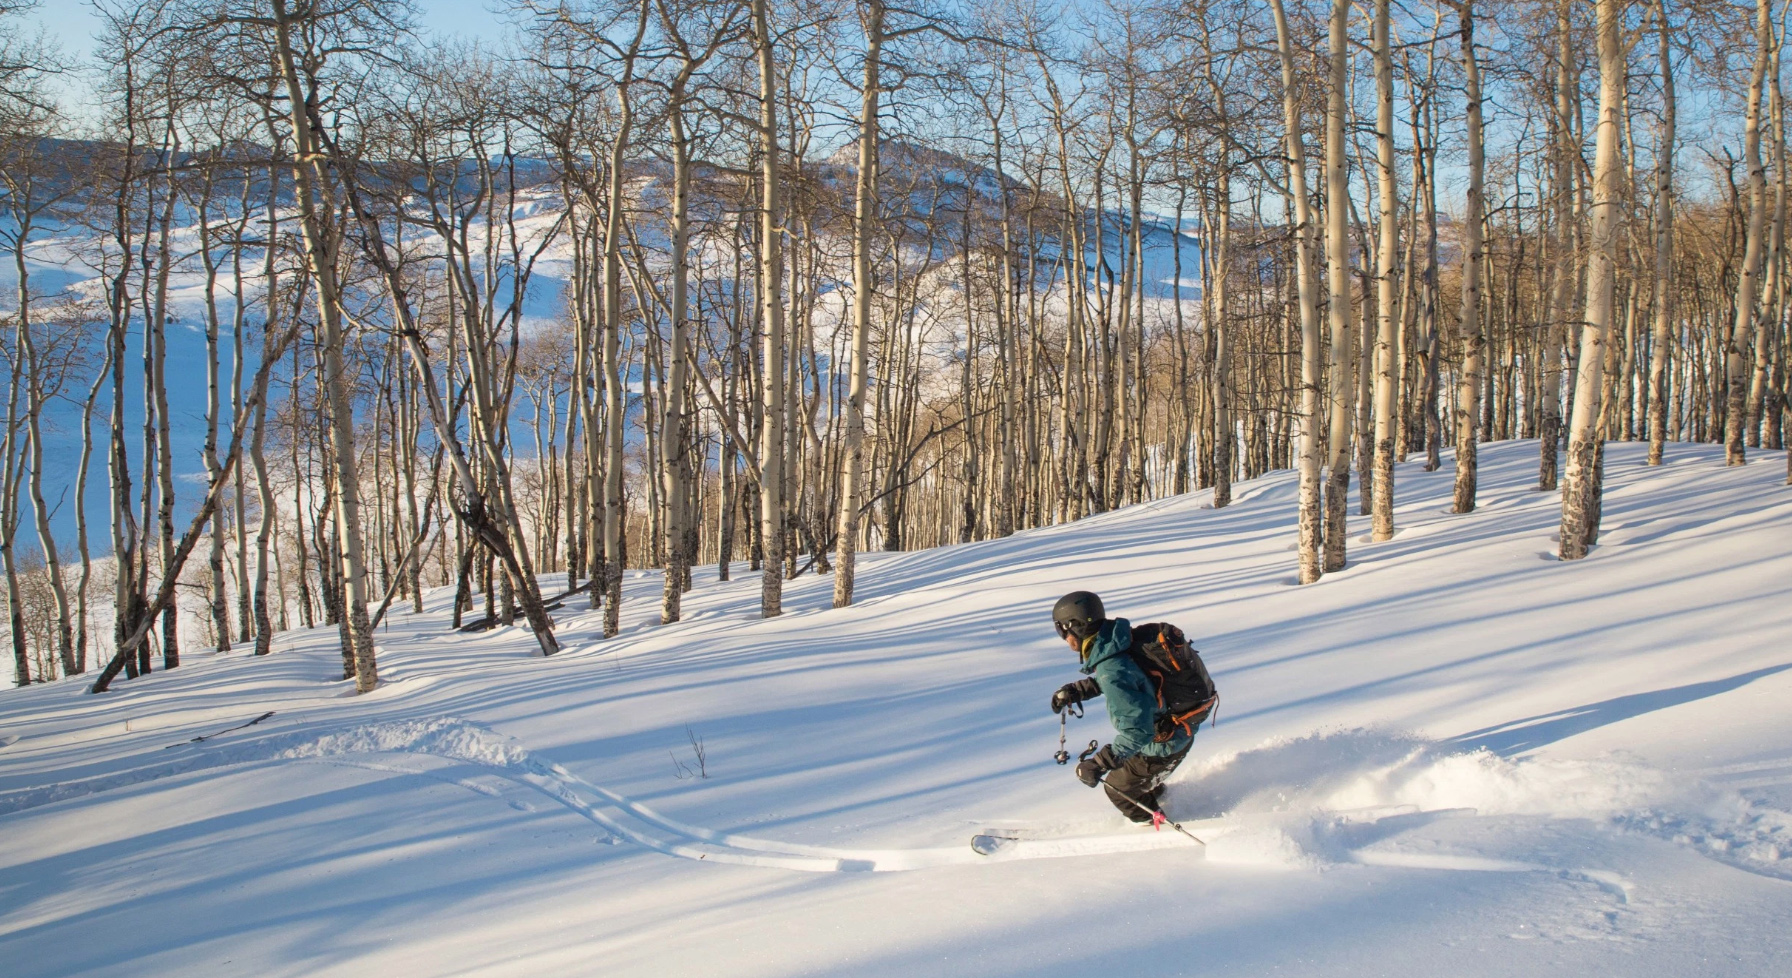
(1458, 756)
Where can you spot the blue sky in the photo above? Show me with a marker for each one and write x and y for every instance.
(73, 24)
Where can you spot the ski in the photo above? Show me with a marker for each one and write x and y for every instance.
(1030, 842)
(1017, 846)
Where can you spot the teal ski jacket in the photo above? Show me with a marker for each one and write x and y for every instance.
(1131, 699)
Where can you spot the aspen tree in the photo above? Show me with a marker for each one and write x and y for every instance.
(11, 471)
(217, 591)
(615, 396)
(1339, 307)
(239, 244)
(677, 466)
(1011, 505)
(1774, 404)
(871, 18)
(1219, 320)
(81, 540)
(128, 583)
(1773, 285)
(774, 406)
(1311, 516)
(1564, 246)
(1740, 343)
(317, 208)
(1474, 340)
(1581, 487)
(158, 439)
(1662, 336)
(264, 532)
(1221, 326)
(1387, 326)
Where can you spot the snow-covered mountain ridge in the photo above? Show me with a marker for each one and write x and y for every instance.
(1458, 756)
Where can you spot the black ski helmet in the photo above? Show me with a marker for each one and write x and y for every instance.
(1078, 613)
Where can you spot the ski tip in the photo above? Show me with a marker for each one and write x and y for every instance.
(989, 845)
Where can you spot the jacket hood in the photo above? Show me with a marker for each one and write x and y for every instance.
(1112, 639)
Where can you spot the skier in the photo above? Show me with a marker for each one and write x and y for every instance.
(1148, 743)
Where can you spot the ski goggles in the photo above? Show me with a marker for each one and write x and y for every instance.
(1075, 626)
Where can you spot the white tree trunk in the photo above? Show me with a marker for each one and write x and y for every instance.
(1661, 343)
(310, 170)
(1741, 343)
(675, 436)
(1310, 451)
(1565, 251)
(1340, 310)
(771, 310)
(1387, 331)
(1474, 342)
(852, 489)
(1580, 492)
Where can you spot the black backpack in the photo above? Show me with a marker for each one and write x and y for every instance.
(1186, 695)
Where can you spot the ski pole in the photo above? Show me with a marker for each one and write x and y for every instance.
(1063, 756)
(1157, 818)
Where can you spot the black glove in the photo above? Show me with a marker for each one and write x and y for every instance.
(1082, 689)
(1090, 769)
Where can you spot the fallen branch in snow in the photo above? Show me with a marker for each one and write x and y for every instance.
(226, 730)
(557, 599)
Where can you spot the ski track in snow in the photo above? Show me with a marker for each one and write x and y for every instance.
(1313, 827)
(455, 739)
